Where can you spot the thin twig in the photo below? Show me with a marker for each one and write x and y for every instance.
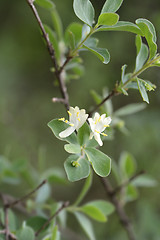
(124, 184)
(58, 100)
(65, 63)
(110, 95)
(12, 204)
(64, 205)
(125, 221)
(51, 51)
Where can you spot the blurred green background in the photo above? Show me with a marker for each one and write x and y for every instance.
(26, 90)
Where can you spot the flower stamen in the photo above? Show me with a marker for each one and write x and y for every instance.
(70, 114)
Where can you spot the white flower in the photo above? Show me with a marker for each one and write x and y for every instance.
(98, 125)
(77, 118)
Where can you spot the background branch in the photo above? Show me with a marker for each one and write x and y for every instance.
(64, 205)
(125, 221)
(51, 51)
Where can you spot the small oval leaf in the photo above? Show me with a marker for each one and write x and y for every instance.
(109, 19)
(80, 171)
(101, 163)
(84, 11)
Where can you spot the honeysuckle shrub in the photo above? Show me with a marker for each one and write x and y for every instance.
(85, 131)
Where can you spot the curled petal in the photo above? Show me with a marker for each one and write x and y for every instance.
(67, 132)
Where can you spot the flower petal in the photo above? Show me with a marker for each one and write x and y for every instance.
(67, 132)
(98, 139)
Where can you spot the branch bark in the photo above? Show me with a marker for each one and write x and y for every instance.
(125, 221)
(51, 51)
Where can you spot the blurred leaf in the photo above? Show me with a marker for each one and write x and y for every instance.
(123, 76)
(142, 90)
(48, 4)
(26, 233)
(36, 222)
(72, 148)
(127, 165)
(86, 225)
(55, 234)
(150, 34)
(85, 189)
(142, 55)
(58, 126)
(131, 193)
(130, 109)
(108, 104)
(108, 19)
(83, 134)
(54, 175)
(43, 193)
(144, 181)
(105, 207)
(76, 30)
(76, 170)
(84, 11)
(111, 6)
(53, 40)
(101, 163)
(93, 212)
(122, 26)
(101, 53)
(12, 220)
(57, 23)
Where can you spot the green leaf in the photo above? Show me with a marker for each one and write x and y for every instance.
(79, 171)
(53, 40)
(83, 134)
(55, 234)
(127, 165)
(149, 33)
(101, 53)
(43, 193)
(111, 6)
(109, 19)
(11, 219)
(144, 181)
(57, 23)
(86, 225)
(142, 55)
(122, 26)
(84, 11)
(138, 43)
(93, 212)
(48, 4)
(76, 30)
(123, 76)
(130, 109)
(131, 193)
(36, 222)
(101, 163)
(142, 90)
(26, 233)
(72, 148)
(58, 126)
(105, 207)
(54, 175)
(85, 189)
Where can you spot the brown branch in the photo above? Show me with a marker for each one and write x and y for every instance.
(110, 95)
(125, 221)
(51, 51)
(12, 204)
(65, 63)
(64, 205)
(124, 184)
